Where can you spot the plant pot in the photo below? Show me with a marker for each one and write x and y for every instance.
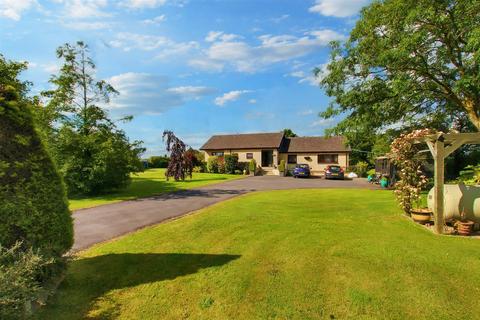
(421, 215)
(464, 228)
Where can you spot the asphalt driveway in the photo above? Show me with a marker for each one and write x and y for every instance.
(106, 222)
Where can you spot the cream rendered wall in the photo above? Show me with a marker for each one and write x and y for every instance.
(315, 167)
(242, 155)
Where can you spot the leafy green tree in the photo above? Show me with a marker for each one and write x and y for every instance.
(33, 205)
(92, 153)
(289, 133)
(406, 64)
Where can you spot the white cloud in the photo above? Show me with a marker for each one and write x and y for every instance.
(229, 97)
(85, 9)
(157, 20)
(13, 9)
(194, 92)
(142, 4)
(206, 65)
(220, 36)
(252, 101)
(272, 49)
(49, 67)
(163, 46)
(143, 93)
(309, 77)
(338, 8)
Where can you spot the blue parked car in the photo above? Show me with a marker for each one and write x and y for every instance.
(301, 170)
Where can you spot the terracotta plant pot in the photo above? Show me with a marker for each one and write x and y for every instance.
(464, 228)
(421, 215)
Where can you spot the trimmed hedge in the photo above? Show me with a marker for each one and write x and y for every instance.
(33, 205)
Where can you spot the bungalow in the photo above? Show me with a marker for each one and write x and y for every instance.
(268, 149)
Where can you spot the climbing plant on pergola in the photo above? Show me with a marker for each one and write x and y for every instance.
(441, 145)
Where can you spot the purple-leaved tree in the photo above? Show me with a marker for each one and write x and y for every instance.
(180, 163)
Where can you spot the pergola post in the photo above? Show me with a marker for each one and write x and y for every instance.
(438, 211)
(436, 143)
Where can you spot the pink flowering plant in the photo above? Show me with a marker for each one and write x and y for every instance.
(412, 180)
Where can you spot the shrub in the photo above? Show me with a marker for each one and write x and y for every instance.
(252, 166)
(158, 162)
(281, 166)
(212, 164)
(21, 279)
(361, 168)
(470, 175)
(221, 165)
(243, 166)
(238, 171)
(412, 179)
(231, 163)
(371, 172)
(33, 205)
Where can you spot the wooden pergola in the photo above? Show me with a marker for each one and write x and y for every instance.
(441, 145)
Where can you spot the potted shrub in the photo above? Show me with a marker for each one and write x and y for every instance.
(421, 215)
(464, 226)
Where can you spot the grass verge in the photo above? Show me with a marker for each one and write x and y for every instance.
(303, 254)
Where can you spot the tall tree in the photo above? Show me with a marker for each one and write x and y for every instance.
(406, 64)
(92, 153)
(33, 206)
(289, 133)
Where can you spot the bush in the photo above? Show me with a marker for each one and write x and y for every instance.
(212, 164)
(281, 166)
(470, 175)
(238, 171)
(98, 162)
(21, 279)
(371, 172)
(158, 162)
(243, 166)
(33, 205)
(221, 165)
(231, 163)
(361, 168)
(252, 166)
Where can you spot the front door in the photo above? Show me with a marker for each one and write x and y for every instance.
(267, 158)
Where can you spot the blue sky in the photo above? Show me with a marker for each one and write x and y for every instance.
(197, 67)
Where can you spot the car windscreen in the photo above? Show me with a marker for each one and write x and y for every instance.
(334, 168)
(303, 166)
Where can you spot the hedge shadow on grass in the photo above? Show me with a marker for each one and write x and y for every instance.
(89, 279)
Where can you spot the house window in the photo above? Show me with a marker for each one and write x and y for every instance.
(292, 158)
(217, 154)
(328, 158)
(249, 155)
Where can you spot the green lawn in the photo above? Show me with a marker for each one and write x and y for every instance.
(305, 254)
(149, 183)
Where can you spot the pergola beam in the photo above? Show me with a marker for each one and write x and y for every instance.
(441, 145)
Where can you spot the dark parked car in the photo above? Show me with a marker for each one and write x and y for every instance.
(301, 170)
(334, 172)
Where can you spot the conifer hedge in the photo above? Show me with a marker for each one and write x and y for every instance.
(33, 204)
